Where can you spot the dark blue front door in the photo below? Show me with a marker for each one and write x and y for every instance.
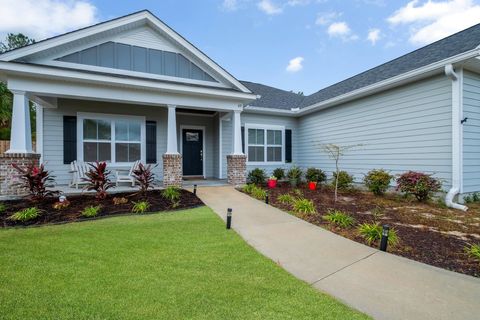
(192, 141)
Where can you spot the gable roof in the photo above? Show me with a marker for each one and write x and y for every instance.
(272, 97)
(458, 43)
(139, 17)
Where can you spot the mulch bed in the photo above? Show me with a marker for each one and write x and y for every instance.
(79, 202)
(428, 232)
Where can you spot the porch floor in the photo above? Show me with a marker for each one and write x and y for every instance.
(67, 190)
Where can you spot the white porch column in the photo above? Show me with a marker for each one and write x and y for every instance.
(237, 133)
(172, 146)
(21, 135)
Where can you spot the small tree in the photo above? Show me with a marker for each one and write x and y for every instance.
(335, 152)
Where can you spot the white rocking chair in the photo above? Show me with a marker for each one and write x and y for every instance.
(129, 178)
(78, 170)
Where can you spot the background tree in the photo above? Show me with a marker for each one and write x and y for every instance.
(12, 41)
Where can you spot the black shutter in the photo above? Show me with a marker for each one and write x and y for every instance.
(288, 146)
(151, 135)
(243, 139)
(69, 139)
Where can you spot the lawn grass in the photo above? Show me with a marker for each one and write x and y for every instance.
(179, 265)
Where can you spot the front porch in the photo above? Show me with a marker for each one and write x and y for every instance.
(185, 145)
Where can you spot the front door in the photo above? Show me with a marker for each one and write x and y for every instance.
(192, 141)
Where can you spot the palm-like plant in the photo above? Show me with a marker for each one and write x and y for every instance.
(97, 179)
(144, 176)
(36, 180)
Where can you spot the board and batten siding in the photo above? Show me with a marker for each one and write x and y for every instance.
(406, 128)
(471, 132)
(53, 133)
(254, 118)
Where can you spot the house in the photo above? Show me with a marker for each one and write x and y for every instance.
(133, 89)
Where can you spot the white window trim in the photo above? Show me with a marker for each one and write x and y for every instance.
(264, 127)
(110, 117)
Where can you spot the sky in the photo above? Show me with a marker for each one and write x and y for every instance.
(299, 45)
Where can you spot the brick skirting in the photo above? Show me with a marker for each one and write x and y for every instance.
(236, 169)
(172, 170)
(9, 176)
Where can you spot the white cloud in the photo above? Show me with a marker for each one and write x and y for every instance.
(269, 7)
(295, 64)
(294, 3)
(230, 5)
(373, 35)
(432, 20)
(39, 19)
(339, 29)
(324, 18)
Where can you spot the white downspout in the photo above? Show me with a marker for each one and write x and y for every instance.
(457, 140)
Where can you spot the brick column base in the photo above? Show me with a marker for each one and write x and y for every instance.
(9, 176)
(172, 170)
(236, 169)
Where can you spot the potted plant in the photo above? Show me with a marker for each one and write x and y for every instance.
(272, 182)
(314, 176)
(294, 175)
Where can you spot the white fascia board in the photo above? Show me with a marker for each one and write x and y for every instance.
(119, 94)
(46, 72)
(137, 17)
(260, 110)
(404, 78)
(182, 41)
(72, 36)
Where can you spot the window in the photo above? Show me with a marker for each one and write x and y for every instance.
(265, 144)
(112, 139)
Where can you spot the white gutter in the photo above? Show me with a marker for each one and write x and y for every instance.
(457, 136)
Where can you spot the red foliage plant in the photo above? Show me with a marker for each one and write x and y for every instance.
(144, 176)
(420, 184)
(97, 179)
(36, 180)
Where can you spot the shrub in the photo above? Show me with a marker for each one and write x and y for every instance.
(294, 175)
(473, 251)
(248, 188)
(119, 201)
(304, 206)
(25, 214)
(279, 173)
(259, 193)
(144, 176)
(172, 194)
(345, 180)
(257, 176)
(97, 179)
(315, 175)
(3, 207)
(91, 211)
(377, 181)
(419, 184)
(339, 218)
(140, 206)
(286, 198)
(471, 198)
(372, 232)
(60, 205)
(36, 180)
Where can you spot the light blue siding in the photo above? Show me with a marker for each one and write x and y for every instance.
(407, 128)
(140, 59)
(53, 133)
(471, 132)
(253, 118)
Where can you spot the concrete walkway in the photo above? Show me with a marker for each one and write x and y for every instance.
(382, 285)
